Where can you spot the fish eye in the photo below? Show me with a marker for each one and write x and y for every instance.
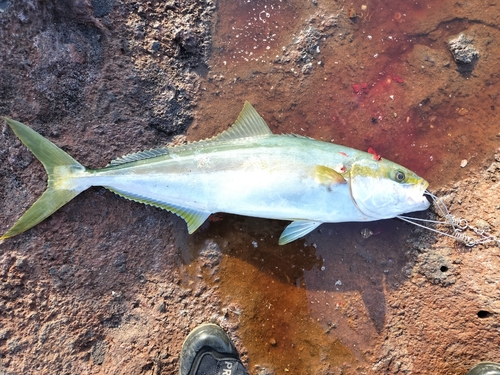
(399, 176)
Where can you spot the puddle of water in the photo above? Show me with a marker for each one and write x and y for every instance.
(415, 109)
(276, 325)
(383, 79)
(264, 285)
(250, 33)
(310, 305)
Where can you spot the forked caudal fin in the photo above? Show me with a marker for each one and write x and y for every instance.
(64, 178)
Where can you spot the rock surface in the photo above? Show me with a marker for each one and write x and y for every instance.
(464, 52)
(108, 286)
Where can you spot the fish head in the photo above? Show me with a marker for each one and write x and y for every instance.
(382, 189)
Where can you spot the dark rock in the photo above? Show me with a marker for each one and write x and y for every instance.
(99, 352)
(4, 4)
(463, 52)
(102, 7)
(155, 46)
(120, 262)
(15, 345)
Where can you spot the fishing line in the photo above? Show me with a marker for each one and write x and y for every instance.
(459, 225)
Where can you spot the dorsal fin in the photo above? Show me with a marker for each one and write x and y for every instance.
(148, 154)
(248, 124)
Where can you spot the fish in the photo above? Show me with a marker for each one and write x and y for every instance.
(245, 170)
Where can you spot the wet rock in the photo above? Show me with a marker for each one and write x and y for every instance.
(210, 257)
(187, 40)
(307, 44)
(66, 302)
(120, 262)
(263, 370)
(305, 47)
(365, 255)
(20, 159)
(65, 271)
(462, 49)
(437, 268)
(99, 352)
(102, 7)
(495, 166)
(5, 334)
(307, 68)
(432, 67)
(155, 46)
(482, 225)
(4, 4)
(366, 233)
(15, 345)
(463, 52)
(162, 308)
(22, 263)
(113, 321)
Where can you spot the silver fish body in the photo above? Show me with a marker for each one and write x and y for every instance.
(245, 170)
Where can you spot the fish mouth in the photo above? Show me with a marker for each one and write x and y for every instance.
(419, 195)
(422, 187)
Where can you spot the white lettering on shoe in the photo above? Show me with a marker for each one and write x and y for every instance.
(227, 370)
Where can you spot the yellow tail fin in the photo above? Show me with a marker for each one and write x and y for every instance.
(64, 178)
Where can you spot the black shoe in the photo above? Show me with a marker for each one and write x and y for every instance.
(485, 368)
(209, 351)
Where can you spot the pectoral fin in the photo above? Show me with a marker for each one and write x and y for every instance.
(297, 229)
(328, 176)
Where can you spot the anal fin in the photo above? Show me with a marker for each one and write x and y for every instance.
(194, 218)
(297, 229)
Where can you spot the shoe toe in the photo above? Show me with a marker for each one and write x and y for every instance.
(485, 368)
(204, 336)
